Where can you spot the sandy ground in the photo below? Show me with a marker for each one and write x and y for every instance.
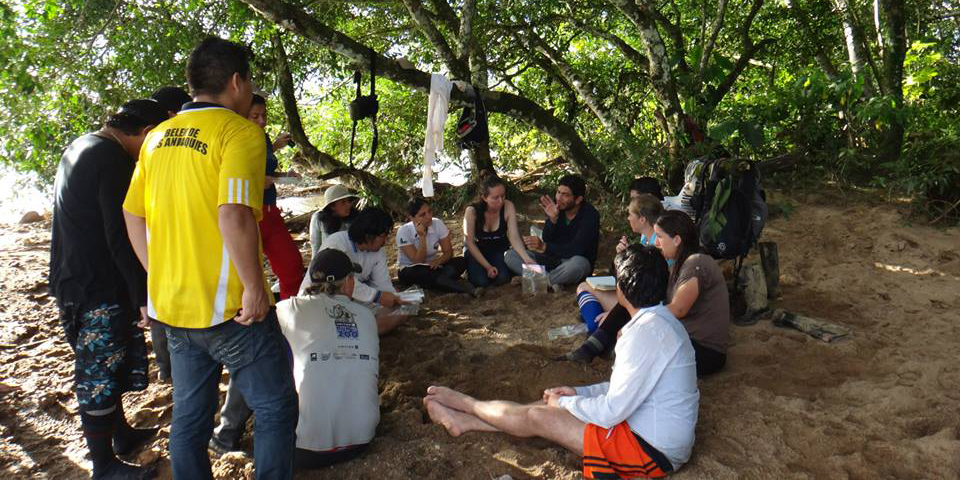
(881, 403)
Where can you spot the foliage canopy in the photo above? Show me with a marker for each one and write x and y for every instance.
(618, 88)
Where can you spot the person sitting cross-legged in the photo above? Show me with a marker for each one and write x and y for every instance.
(640, 423)
(600, 308)
(364, 243)
(696, 295)
(425, 253)
(571, 233)
(489, 230)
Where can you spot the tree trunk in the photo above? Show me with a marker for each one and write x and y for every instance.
(823, 60)
(894, 28)
(480, 159)
(392, 196)
(664, 87)
(856, 43)
(587, 92)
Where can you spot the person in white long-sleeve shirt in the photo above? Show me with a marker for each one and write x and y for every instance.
(640, 423)
(363, 242)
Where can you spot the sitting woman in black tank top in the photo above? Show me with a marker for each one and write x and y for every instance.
(489, 229)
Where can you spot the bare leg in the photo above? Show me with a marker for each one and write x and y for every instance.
(456, 422)
(551, 423)
(607, 299)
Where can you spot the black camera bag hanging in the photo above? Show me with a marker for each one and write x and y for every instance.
(365, 106)
(472, 130)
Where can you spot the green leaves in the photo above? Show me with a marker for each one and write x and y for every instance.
(69, 62)
(923, 62)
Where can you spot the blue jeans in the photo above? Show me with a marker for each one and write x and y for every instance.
(254, 355)
(478, 275)
(566, 271)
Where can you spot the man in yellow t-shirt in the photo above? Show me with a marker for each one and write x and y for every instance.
(191, 213)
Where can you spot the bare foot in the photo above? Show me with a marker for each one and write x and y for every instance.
(443, 416)
(456, 422)
(450, 398)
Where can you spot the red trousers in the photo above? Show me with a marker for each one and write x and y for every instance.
(283, 254)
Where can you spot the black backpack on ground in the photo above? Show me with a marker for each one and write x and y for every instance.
(730, 207)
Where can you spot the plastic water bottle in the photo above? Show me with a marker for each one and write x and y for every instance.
(566, 331)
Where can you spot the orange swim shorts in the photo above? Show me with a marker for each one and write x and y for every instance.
(619, 453)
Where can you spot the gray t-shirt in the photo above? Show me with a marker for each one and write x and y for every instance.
(336, 353)
(708, 321)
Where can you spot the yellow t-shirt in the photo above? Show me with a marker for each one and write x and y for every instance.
(189, 165)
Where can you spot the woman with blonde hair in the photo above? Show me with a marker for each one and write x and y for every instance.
(601, 306)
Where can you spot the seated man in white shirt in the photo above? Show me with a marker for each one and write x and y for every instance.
(640, 423)
(363, 242)
(335, 363)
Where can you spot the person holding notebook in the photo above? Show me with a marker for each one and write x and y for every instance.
(597, 303)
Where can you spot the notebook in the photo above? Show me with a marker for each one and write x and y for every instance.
(607, 283)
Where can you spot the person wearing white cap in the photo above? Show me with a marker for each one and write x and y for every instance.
(336, 215)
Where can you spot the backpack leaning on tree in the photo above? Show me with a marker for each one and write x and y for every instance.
(730, 210)
(729, 205)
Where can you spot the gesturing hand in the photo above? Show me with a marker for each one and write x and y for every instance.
(549, 207)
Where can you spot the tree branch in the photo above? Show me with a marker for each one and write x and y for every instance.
(820, 55)
(857, 48)
(466, 28)
(642, 16)
(446, 13)
(750, 50)
(508, 77)
(457, 67)
(625, 48)
(392, 196)
(296, 20)
(585, 89)
(674, 32)
(712, 41)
